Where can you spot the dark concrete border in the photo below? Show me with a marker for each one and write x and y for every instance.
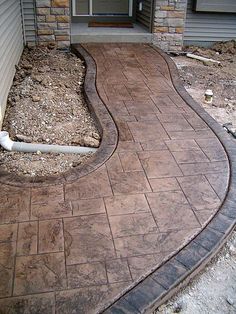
(173, 274)
(106, 126)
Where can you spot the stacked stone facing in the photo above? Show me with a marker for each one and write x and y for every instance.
(53, 22)
(169, 22)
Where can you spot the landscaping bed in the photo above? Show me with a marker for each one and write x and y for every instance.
(46, 105)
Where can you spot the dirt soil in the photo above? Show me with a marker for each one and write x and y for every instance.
(213, 291)
(46, 105)
(221, 79)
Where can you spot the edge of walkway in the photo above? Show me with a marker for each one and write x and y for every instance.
(106, 126)
(176, 272)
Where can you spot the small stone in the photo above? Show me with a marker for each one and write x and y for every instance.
(229, 300)
(27, 66)
(37, 78)
(27, 72)
(78, 140)
(16, 98)
(22, 74)
(36, 98)
(76, 163)
(51, 46)
(24, 138)
(44, 82)
(91, 142)
(177, 308)
(96, 136)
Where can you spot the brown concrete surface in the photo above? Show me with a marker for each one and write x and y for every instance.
(77, 246)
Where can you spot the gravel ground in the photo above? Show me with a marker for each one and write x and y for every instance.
(213, 291)
(198, 77)
(46, 105)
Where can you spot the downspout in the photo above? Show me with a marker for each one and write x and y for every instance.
(10, 145)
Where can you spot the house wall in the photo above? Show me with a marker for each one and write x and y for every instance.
(11, 46)
(53, 22)
(205, 28)
(169, 20)
(174, 23)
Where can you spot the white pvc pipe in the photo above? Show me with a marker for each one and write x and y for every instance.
(10, 145)
(191, 55)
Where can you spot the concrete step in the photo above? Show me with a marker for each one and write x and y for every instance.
(111, 37)
(81, 33)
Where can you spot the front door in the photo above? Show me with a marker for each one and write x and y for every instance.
(110, 7)
(102, 7)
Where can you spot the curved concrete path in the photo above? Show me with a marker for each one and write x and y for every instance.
(152, 206)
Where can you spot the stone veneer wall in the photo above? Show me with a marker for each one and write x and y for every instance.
(53, 22)
(169, 20)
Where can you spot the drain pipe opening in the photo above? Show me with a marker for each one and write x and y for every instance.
(10, 145)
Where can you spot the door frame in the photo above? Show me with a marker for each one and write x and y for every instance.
(91, 10)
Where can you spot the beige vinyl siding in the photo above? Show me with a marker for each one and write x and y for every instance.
(206, 28)
(144, 17)
(11, 46)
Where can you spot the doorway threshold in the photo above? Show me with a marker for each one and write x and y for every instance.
(81, 33)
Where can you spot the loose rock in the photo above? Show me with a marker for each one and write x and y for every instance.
(26, 66)
(24, 138)
(36, 98)
(90, 141)
(96, 136)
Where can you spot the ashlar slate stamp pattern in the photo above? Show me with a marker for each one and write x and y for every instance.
(83, 243)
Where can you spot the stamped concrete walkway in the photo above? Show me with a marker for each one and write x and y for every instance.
(76, 244)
